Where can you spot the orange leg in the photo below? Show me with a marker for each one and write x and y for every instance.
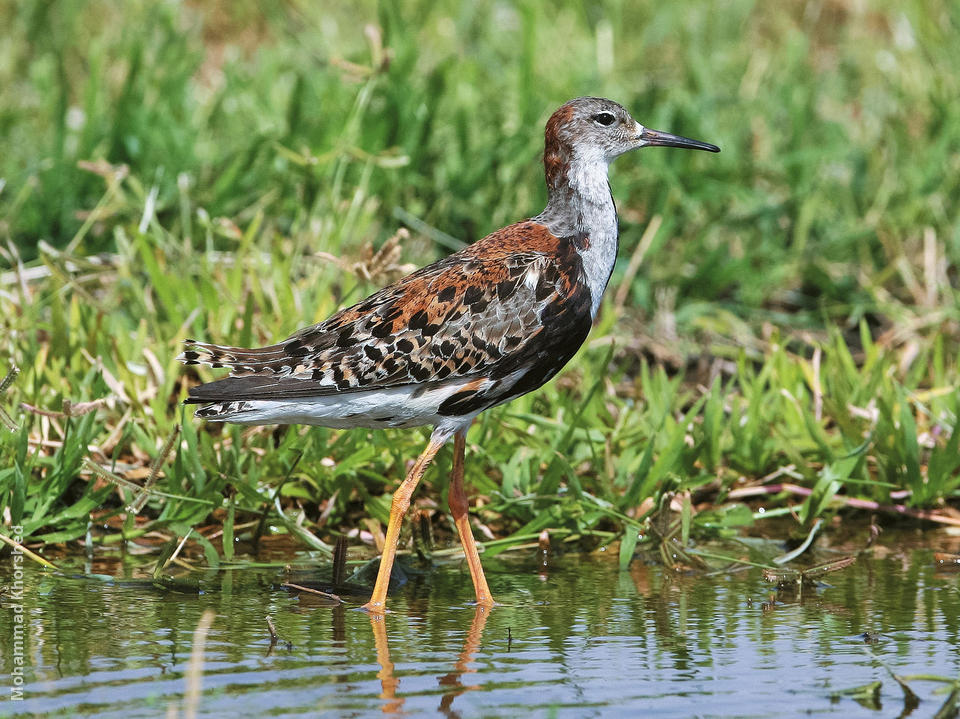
(398, 508)
(458, 508)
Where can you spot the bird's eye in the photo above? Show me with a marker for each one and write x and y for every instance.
(604, 118)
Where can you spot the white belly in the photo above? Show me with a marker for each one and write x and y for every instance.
(403, 406)
(395, 407)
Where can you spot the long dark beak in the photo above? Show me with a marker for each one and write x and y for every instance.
(665, 139)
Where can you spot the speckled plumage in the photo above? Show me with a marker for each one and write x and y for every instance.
(478, 328)
(514, 302)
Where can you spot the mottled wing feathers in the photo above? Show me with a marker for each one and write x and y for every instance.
(513, 301)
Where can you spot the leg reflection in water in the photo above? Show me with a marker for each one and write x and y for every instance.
(388, 682)
(470, 645)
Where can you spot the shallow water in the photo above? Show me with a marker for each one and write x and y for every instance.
(579, 639)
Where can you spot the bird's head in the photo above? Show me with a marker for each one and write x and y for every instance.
(594, 130)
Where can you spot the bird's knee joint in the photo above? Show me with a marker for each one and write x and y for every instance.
(400, 503)
(458, 505)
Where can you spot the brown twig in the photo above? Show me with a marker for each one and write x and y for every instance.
(308, 590)
(854, 502)
(339, 561)
(141, 499)
(26, 552)
(273, 631)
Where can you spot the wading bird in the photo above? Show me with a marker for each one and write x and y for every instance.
(481, 327)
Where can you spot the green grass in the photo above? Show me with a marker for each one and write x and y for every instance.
(219, 171)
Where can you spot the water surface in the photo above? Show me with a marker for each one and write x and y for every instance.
(577, 639)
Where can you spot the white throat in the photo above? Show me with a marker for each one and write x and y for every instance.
(599, 222)
(585, 206)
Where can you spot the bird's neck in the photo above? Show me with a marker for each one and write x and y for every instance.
(580, 205)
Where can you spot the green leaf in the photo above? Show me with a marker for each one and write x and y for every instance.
(209, 551)
(829, 482)
(627, 544)
(228, 529)
(725, 517)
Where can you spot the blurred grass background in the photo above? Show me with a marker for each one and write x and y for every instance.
(235, 170)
